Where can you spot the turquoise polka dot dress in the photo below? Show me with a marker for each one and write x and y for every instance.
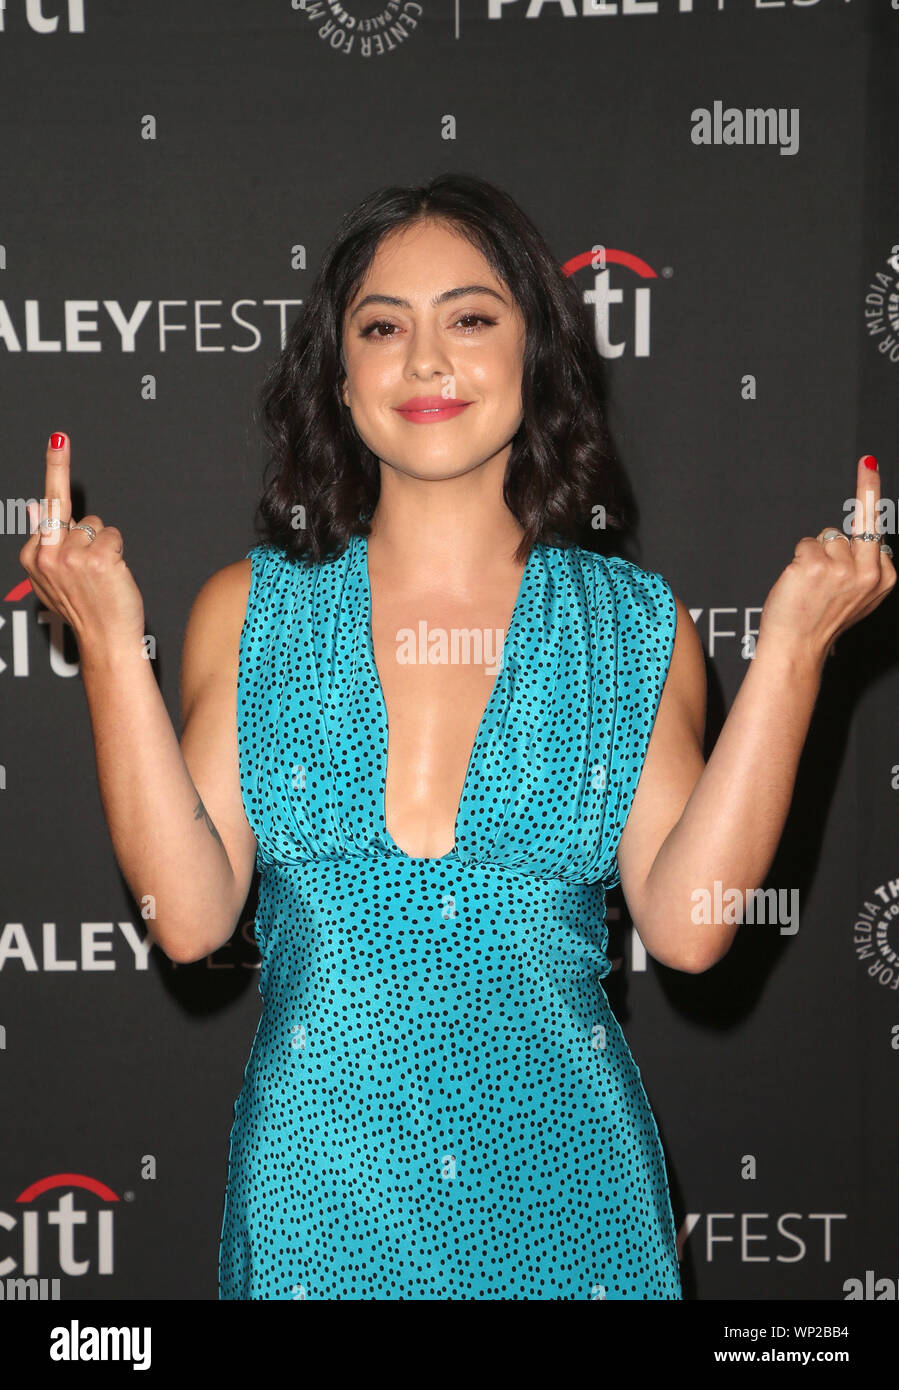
(439, 1102)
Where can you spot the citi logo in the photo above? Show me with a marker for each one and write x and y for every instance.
(76, 1239)
(15, 649)
(72, 12)
(629, 300)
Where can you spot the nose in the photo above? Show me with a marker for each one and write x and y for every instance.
(426, 353)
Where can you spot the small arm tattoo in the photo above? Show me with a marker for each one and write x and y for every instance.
(201, 811)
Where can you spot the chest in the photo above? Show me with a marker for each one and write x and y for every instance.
(437, 662)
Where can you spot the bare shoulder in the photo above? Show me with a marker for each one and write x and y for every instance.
(686, 686)
(226, 591)
(212, 636)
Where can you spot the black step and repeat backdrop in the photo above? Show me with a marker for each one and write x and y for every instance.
(170, 175)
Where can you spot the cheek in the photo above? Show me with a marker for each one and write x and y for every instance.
(376, 377)
(501, 369)
(366, 382)
(501, 382)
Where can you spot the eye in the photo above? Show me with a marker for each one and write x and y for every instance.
(475, 320)
(371, 330)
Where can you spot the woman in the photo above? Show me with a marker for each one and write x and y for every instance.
(439, 1102)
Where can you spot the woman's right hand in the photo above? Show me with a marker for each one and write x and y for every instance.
(85, 581)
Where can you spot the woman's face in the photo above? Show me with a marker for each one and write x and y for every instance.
(468, 348)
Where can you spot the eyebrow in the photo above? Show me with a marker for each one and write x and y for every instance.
(438, 298)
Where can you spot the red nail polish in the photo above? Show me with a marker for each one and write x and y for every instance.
(57, 441)
(869, 461)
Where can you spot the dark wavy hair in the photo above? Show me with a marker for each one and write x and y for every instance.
(561, 463)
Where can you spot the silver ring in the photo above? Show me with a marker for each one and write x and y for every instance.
(53, 523)
(85, 526)
(830, 533)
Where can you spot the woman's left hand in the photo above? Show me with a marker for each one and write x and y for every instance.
(829, 586)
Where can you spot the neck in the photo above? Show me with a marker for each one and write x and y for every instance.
(448, 534)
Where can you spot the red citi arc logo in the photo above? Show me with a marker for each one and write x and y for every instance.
(19, 592)
(91, 1230)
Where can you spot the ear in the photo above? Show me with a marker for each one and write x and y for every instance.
(344, 391)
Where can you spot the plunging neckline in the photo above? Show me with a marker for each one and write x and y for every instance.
(378, 688)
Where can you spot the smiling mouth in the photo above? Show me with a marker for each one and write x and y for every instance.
(443, 409)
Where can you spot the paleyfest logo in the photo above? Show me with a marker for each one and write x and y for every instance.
(871, 934)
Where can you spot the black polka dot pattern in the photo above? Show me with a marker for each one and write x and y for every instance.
(439, 1102)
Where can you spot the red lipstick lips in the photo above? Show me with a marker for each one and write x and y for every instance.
(428, 410)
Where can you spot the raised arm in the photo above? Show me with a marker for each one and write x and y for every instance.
(691, 824)
(174, 816)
